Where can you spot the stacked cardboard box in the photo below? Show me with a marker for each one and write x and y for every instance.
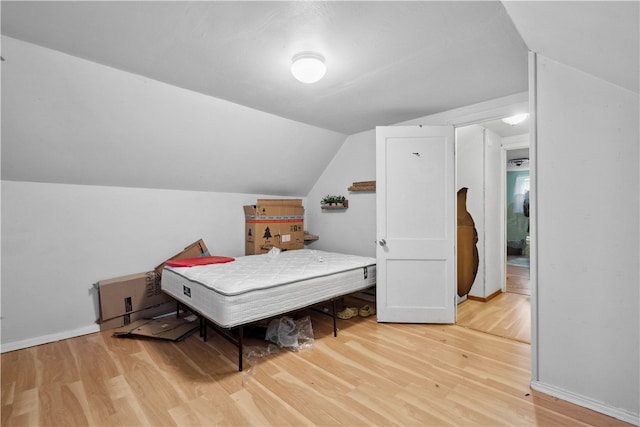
(274, 223)
(125, 299)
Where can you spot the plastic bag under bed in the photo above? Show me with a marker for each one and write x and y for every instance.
(293, 334)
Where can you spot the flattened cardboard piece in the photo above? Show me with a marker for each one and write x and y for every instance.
(194, 250)
(166, 328)
(145, 313)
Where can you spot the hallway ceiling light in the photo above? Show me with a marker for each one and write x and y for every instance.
(308, 67)
(514, 120)
(519, 162)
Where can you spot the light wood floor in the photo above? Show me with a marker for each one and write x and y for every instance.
(371, 374)
(518, 280)
(507, 315)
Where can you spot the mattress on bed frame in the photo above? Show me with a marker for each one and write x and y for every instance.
(257, 287)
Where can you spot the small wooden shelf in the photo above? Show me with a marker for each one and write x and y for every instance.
(363, 186)
(344, 205)
(310, 237)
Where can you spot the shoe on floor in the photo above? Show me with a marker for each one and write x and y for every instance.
(366, 311)
(348, 313)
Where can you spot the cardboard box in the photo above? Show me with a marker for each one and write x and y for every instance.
(145, 313)
(274, 223)
(273, 208)
(194, 250)
(128, 294)
(167, 328)
(280, 202)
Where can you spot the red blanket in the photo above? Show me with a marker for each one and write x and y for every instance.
(203, 260)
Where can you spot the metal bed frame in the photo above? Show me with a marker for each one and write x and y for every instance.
(238, 341)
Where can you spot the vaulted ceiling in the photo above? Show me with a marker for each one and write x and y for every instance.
(388, 62)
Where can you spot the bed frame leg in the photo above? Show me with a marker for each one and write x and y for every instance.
(240, 348)
(335, 329)
(204, 328)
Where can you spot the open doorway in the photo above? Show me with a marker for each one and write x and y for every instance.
(517, 237)
(499, 301)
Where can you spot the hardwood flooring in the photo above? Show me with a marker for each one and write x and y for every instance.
(507, 315)
(518, 279)
(371, 374)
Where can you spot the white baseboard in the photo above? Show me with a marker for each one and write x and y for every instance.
(18, 345)
(586, 402)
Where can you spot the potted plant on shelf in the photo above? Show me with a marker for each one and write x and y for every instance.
(333, 201)
(328, 200)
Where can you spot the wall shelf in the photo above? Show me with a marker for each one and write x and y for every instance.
(344, 205)
(308, 237)
(363, 186)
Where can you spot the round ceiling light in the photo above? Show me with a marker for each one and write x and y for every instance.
(514, 120)
(308, 67)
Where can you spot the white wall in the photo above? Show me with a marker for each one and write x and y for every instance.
(352, 230)
(587, 240)
(470, 173)
(60, 239)
(478, 168)
(493, 221)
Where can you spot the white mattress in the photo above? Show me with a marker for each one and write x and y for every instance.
(256, 287)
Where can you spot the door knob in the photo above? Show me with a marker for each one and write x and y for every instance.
(382, 242)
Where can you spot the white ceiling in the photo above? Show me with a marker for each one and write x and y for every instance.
(387, 61)
(599, 37)
(506, 130)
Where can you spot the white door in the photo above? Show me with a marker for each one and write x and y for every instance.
(416, 224)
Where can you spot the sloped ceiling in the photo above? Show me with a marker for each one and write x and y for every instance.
(599, 37)
(387, 61)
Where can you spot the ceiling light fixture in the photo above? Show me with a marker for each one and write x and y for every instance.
(514, 120)
(519, 162)
(308, 67)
